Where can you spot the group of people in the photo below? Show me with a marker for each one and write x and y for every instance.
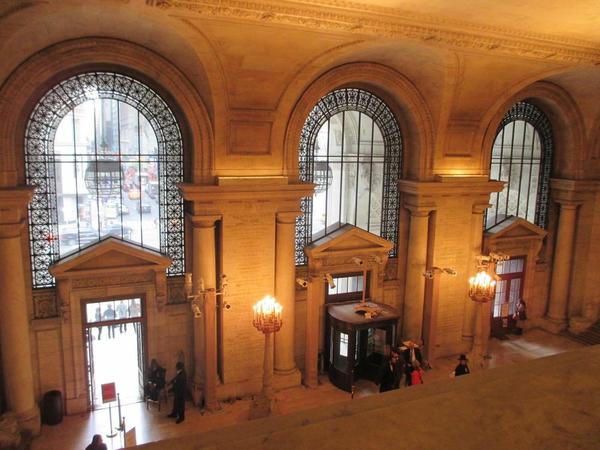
(152, 388)
(407, 361)
(122, 311)
(155, 382)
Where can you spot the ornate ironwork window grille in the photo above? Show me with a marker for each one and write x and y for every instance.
(521, 156)
(105, 154)
(351, 147)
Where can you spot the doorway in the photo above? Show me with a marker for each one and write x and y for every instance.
(114, 348)
(509, 291)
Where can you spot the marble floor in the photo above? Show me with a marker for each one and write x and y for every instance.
(76, 431)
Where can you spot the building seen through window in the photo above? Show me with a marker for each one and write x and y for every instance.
(105, 154)
(522, 157)
(351, 149)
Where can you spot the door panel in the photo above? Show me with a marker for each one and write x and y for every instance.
(90, 366)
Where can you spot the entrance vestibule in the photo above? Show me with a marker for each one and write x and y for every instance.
(114, 347)
(357, 344)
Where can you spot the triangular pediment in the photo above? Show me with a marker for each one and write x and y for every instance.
(348, 239)
(515, 228)
(109, 254)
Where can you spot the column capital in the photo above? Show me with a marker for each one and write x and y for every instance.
(288, 216)
(567, 205)
(11, 230)
(574, 191)
(479, 208)
(204, 221)
(419, 210)
(13, 204)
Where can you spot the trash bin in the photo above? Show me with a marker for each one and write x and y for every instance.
(52, 408)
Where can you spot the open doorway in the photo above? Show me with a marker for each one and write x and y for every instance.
(114, 343)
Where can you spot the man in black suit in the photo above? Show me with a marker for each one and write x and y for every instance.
(391, 372)
(178, 388)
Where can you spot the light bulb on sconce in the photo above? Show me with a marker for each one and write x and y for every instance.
(358, 261)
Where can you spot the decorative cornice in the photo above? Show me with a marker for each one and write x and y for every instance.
(451, 186)
(266, 192)
(350, 17)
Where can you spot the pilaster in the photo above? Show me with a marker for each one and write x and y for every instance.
(286, 372)
(14, 320)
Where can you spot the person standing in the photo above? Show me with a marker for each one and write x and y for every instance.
(97, 443)
(122, 314)
(520, 316)
(391, 372)
(98, 317)
(462, 368)
(412, 354)
(109, 314)
(416, 374)
(178, 388)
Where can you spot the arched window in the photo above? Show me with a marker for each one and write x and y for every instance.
(522, 157)
(105, 154)
(351, 148)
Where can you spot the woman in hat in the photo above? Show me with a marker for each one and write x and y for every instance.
(462, 368)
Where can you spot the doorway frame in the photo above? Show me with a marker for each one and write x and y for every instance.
(84, 325)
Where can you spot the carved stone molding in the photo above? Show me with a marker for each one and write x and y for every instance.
(356, 18)
(176, 291)
(44, 304)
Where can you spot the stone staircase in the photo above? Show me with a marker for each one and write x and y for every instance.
(591, 336)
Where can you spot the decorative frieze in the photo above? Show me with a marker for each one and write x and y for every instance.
(372, 20)
(113, 280)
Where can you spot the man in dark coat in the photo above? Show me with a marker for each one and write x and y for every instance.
(178, 388)
(462, 368)
(391, 373)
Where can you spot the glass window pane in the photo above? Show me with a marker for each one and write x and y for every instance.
(346, 156)
(101, 175)
(343, 344)
(517, 156)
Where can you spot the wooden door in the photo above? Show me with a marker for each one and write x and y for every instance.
(509, 290)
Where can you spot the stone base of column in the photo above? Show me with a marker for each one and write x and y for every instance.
(580, 324)
(197, 394)
(283, 380)
(29, 421)
(212, 406)
(260, 407)
(552, 325)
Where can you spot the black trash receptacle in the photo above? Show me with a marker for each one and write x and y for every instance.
(52, 408)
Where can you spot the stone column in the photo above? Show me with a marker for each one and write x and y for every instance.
(286, 372)
(14, 318)
(563, 262)
(314, 296)
(210, 341)
(204, 268)
(469, 317)
(414, 294)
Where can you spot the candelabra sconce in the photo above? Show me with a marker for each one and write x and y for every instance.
(429, 274)
(266, 319)
(482, 286)
(267, 315)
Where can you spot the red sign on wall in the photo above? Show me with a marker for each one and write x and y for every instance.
(109, 392)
